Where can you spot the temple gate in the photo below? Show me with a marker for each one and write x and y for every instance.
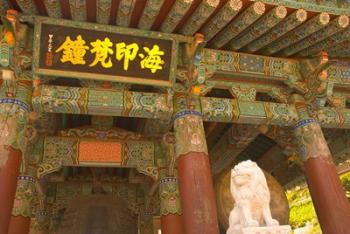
(134, 109)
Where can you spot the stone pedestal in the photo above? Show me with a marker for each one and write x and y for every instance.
(285, 229)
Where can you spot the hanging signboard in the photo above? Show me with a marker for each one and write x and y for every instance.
(103, 52)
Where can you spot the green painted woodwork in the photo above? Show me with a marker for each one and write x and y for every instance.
(339, 75)
(60, 99)
(221, 18)
(327, 43)
(188, 126)
(201, 14)
(225, 62)
(245, 19)
(64, 151)
(232, 110)
(125, 10)
(78, 10)
(150, 13)
(308, 28)
(176, 13)
(340, 50)
(336, 25)
(261, 26)
(15, 105)
(314, 6)
(25, 195)
(231, 144)
(289, 23)
(27, 6)
(53, 8)
(4, 5)
(103, 11)
(169, 194)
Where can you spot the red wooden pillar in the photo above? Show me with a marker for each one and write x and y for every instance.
(194, 174)
(328, 196)
(19, 225)
(8, 184)
(171, 224)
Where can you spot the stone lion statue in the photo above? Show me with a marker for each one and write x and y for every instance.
(252, 198)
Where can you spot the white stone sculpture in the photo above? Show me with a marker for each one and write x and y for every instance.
(252, 199)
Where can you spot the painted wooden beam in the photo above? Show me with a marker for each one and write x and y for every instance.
(261, 26)
(78, 10)
(292, 21)
(339, 50)
(333, 27)
(308, 28)
(267, 113)
(53, 8)
(327, 43)
(27, 6)
(199, 16)
(226, 62)
(125, 10)
(245, 19)
(248, 112)
(220, 19)
(61, 99)
(339, 75)
(230, 145)
(74, 151)
(313, 6)
(176, 13)
(103, 11)
(150, 13)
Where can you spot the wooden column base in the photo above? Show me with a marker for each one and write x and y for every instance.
(328, 195)
(19, 225)
(197, 194)
(172, 224)
(8, 185)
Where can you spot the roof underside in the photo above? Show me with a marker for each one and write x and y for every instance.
(237, 25)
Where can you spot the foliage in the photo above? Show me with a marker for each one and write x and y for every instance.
(302, 210)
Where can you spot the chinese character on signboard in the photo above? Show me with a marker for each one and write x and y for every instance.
(83, 51)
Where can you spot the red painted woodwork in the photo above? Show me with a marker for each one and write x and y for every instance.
(41, 7)
(163, 12)
(19, 225)
(172, 224)
(137, 12)
(197, 194)
(113, 14)
(8, 184)
(91, 8)
(331, 204)
(65, 9)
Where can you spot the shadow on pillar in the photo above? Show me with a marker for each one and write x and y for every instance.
(197, 194)
(328, 195)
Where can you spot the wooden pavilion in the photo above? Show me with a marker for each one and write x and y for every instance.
(132, 109)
